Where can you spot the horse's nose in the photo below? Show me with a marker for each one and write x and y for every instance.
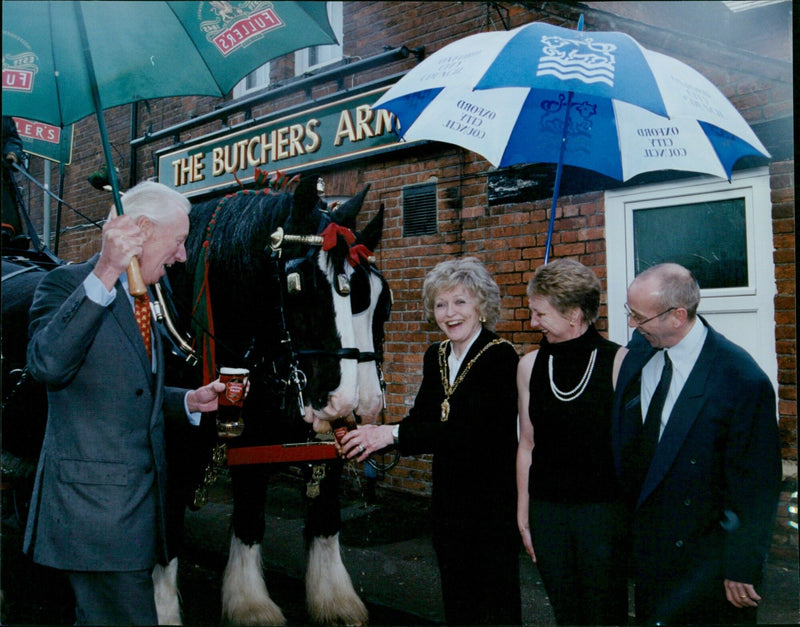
(341, 403)
(368, 409)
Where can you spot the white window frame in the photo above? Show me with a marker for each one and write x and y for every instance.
(328, 53)
(258, 79)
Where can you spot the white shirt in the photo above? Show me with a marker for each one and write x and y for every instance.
(683, 356)
(453, 362)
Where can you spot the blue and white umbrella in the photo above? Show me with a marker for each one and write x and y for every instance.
(596, 100)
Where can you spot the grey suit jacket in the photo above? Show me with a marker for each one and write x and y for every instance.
(98, 497)
(708, 503)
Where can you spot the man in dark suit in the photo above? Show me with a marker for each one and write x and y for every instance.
(97, 510)
(704, 490)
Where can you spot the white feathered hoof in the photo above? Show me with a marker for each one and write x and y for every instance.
(330, 596)
(165, 586)
(245, 600)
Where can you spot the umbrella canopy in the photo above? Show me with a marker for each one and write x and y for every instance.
(596, 100)
(65, 60)
(142, 50)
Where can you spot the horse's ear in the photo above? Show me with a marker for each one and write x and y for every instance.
(345, 214)
(306, 196)
(371, 235)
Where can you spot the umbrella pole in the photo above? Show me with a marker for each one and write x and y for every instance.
(559, 169)
(136, 284)
(557, 183)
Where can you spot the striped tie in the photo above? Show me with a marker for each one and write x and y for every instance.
(141, 308)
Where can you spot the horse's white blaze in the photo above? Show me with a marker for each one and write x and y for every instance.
(245, 600)
(330, 596)
(165, 586)
(370, 395)
(343, 400)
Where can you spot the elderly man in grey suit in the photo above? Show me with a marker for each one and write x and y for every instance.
(696, 444)
(97, 510)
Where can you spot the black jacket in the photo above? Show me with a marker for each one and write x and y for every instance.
(708, 504)
(474, 451)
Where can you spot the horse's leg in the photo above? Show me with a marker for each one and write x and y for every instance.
(165, 577)
(245, 600)
(187, 449)
(330, 596)
(165, 585)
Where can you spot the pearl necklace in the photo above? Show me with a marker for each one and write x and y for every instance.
(577, 390)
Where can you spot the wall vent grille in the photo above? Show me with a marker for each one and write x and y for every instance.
(419, 210)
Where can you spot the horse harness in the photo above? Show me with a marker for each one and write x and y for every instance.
(292, 381)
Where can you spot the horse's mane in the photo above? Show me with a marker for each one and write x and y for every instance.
(241, 228)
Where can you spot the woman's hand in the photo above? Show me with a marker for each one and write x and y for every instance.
(360, 443)
(527, 540)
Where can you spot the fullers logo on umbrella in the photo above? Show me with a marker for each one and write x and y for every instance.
(237, 26)
(581, 59)
(19, 70)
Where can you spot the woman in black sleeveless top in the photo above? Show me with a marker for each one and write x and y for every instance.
(568, 504)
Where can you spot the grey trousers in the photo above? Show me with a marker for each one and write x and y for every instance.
(113, 598)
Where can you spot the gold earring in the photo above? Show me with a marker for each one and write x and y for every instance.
(482, 320)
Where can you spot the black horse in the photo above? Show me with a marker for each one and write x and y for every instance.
(24, 399)
(281, 285)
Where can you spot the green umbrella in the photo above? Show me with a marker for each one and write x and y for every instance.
(65, 60)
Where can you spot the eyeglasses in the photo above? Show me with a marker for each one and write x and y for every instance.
(635, 317)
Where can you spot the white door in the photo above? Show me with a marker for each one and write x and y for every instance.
(720, 230)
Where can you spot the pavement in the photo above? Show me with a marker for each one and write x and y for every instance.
(386, 547)
(385, 543)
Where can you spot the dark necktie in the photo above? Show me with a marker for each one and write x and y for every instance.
(640, 454)
(652, 422)
(141, 308)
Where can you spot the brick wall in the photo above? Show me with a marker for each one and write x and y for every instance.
(783, 235)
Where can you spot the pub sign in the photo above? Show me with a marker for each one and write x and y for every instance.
(319, 136)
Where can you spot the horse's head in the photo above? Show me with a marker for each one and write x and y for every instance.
(371, 302)
(278, 270)
(360, 296)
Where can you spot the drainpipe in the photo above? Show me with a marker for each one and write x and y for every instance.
(46, 205)
(57, 239)
(132, 180)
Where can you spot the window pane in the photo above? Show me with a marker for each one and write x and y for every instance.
(709, 238)
(317, 56)
(257, 79)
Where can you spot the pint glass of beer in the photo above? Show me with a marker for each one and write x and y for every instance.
(230, 421)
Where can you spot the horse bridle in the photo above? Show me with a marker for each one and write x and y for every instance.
(297, 379)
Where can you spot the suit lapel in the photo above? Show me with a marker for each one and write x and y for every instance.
(629, 387)
(158, 390)
(684, 414)
(123, 313)
(628, 412)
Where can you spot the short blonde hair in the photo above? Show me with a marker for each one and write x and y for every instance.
(470, 273)
(567, 284)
